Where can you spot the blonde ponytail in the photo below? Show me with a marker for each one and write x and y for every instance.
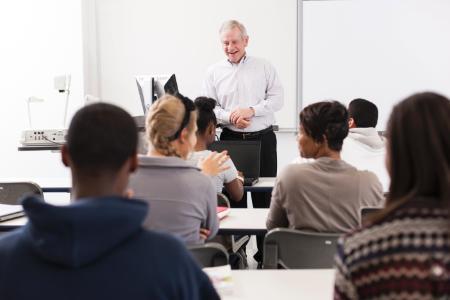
(163, 121)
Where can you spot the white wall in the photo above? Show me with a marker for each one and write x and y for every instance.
(286, 148)
(382, 50)
(39, 39)
(136, 37)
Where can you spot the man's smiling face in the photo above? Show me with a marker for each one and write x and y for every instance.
(234, 44)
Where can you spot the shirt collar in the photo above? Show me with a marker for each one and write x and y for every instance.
(242, 61)
(168, 162)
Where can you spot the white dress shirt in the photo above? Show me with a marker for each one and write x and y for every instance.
(253, 82)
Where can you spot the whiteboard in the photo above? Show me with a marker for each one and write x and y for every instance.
(381, 50)
(125, 38)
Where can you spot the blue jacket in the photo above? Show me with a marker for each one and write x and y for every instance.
(96, 249)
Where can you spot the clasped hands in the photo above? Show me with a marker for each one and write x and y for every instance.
(241, 117)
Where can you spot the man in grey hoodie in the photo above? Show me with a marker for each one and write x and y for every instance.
(364, 148)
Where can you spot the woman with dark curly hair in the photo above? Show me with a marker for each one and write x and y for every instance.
(327, 194)
(206, 134)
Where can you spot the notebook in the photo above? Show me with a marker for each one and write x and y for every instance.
(245, 156)
(8, 212)
(222, 212)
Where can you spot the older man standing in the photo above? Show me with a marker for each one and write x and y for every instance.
(248, 92)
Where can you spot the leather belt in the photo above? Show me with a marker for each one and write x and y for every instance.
(246, 135)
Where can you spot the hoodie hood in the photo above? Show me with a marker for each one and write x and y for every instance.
(369, 137)
(78, 234)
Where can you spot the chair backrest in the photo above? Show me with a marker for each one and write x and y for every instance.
(367, 211)
(11, 192)
(295, 249)
(209, 254)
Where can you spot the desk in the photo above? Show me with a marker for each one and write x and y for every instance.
(16, 223)
(265, 184)
(63, 185)
(240, 221)
(13, 224)
(48, 185)
(244, 221)
(56, 148)
(282, 284)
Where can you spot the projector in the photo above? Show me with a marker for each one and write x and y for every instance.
(44, 137)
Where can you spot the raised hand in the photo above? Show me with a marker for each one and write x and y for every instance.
(213, 163)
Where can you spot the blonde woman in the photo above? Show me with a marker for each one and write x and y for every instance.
(182, 200)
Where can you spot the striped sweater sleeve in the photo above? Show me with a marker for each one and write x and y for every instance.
(343, 286)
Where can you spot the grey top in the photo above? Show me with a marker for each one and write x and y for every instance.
(182, 200)
(323, 196)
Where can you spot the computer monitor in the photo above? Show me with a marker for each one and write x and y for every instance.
(152, 87)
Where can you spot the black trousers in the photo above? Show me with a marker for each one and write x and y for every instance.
(268, 163)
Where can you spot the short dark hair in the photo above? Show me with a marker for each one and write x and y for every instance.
(205, 108)
(363, 112)
(329, 119)
(101, 137)
(419, 148)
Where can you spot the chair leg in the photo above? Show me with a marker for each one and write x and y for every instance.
(270, 260)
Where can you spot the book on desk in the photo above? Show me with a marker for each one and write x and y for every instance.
(9, 212)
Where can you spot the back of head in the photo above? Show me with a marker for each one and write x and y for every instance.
(205, 113)
(165, 121)
(326, 119)
(419, 148)
(363, 112)
(101, 137)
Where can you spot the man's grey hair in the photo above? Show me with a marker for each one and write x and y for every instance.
(230, 24)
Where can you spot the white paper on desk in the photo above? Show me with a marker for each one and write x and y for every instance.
(221, 279)
(6, 209)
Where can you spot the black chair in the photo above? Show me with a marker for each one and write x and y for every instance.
(366, 212)
(11, 192)
(295, 249)
(209, 254)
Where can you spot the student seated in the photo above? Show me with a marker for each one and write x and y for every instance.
(404, 252)
(364, 148)
(96, 247)
(183, 201)
(327, 194)
(206, 133)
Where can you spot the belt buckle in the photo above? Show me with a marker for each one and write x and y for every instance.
(244, 135)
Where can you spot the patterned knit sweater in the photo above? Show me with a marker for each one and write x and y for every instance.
(406, 255)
